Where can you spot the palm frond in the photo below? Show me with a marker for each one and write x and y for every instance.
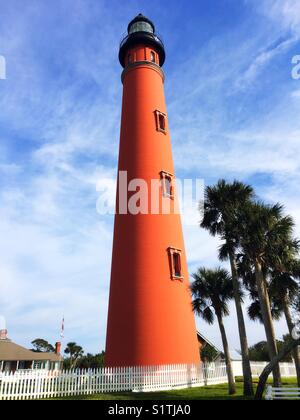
(211, 289)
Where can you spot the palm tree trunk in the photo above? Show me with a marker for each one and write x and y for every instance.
(267, 320)
(287, 348)
(231, 383)
(291, 326)
(248, 386)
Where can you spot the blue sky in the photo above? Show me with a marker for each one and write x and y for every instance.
(233, 111)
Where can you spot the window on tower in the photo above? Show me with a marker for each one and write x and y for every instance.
(175, 263)
(152, 57)
(167, 184)
(129, 58)
(161, 121)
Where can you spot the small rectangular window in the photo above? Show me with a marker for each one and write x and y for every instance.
(152, 56)
(161, 121)
(175, 264)
(167, 184)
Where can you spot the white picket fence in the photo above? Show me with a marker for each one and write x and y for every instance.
(48, 384)
(287, 370)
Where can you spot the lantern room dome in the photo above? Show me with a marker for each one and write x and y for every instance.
(141, 30)
(141, 23)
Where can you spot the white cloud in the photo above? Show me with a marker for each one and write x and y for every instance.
(256, 150)
(295, 94)
(262, 60)
(285, 12)
(9, 168)
(45, 275)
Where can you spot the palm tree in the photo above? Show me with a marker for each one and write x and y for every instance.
(296, 301)
(285, 289)
(296, 304)
(222, 205)
(265, 240)
(75, 352)
(212, 290)
(254, 309)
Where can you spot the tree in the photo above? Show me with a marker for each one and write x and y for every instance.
(42, 346)
(91, 361)
(254, 309)
(247, 273)
(222, 205)
(296, 304)
(265, 240)
(288, 347)
(75, 352)
(255, 314)
(212, 290)
(259, 352)
(286, 290)
(209, 354)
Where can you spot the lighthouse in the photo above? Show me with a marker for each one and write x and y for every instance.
(150, 317)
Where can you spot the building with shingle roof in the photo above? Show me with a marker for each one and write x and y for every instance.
(14, 357)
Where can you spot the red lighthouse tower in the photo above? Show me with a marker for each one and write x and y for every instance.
(150, 319)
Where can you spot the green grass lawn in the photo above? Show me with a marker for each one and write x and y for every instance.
(213, 392)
